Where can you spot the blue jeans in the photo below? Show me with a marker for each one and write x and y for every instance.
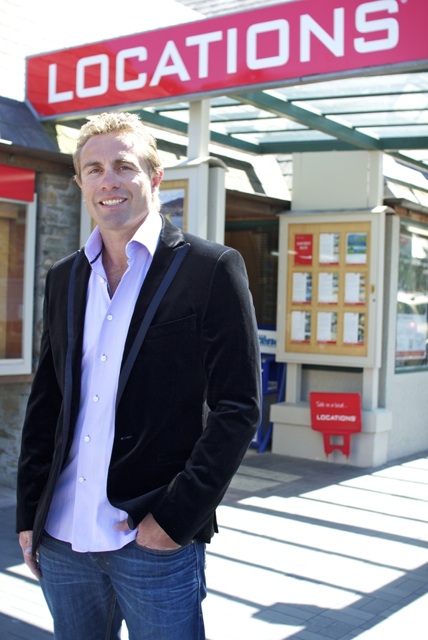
(158, 593)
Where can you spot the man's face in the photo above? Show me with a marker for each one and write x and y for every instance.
(115, 181)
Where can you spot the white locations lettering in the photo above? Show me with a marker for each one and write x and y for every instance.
(382, 25)
(170, 63)
(122, 57)
(53, 94)
(232, 51)
(335, 417)
(281, 31)
(335, 43)
(203, 41)
(101, 61)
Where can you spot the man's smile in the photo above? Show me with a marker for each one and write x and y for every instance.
(112, 202)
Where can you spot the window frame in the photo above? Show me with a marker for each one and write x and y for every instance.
(23, 365)
(412, 363)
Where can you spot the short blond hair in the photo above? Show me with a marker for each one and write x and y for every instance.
(116, 123)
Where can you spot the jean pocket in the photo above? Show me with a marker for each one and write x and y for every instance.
(158, 552)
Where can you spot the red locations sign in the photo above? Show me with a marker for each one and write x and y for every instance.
(336, 412)
(262, 48)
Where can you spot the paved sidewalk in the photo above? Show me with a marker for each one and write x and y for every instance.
(307, 550)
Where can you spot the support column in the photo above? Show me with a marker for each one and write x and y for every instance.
(208, 185)
(198, 130)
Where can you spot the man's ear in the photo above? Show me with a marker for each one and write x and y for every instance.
(77, 181)
(157, 179)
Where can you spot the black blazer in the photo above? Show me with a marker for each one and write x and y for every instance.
(170, 457)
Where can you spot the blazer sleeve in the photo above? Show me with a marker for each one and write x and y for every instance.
(233, 373)
(39, 430)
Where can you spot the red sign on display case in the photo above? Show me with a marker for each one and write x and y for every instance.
(303, 248)
(336, 414)
(262, 48)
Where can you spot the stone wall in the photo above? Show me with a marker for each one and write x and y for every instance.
(57, 235)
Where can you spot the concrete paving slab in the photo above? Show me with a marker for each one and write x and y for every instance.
(307, 550)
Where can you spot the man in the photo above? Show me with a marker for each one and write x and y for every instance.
(131, 439)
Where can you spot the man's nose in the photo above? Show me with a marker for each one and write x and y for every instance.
(110, 179)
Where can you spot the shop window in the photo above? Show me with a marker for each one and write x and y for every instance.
(412, 297)
(17, 240)
(257, 241)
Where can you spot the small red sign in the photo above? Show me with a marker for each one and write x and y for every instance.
(336, 412)
(303, 248)
(336, 416)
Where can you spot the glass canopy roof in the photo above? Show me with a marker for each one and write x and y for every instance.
(385, 112)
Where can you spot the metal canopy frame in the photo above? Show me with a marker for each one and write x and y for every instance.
(386, 112)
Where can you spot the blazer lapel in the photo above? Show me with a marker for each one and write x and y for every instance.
(75, 286)
(83, 271)
(171, 237)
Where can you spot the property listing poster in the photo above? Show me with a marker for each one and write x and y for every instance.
(328, 282)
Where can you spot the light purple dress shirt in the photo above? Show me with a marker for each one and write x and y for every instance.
(80, 512)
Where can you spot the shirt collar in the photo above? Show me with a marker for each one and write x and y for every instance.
(146, 235)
